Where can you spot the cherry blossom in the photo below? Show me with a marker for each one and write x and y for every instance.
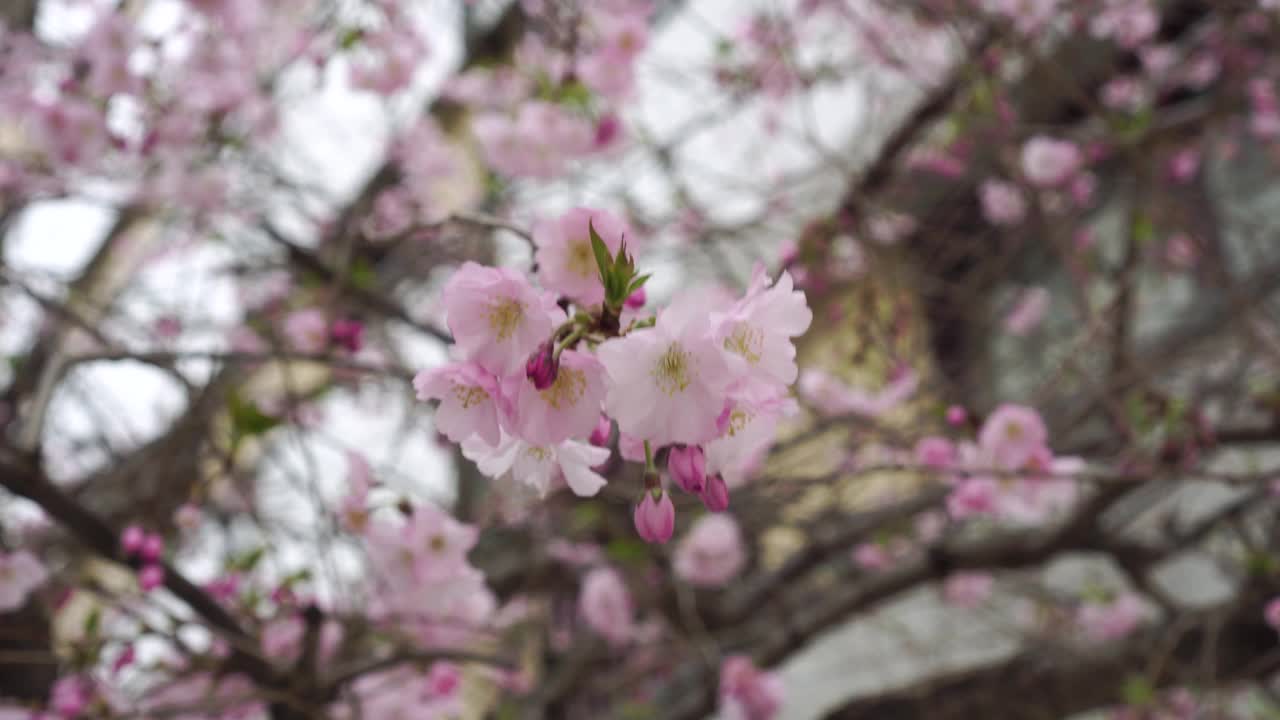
(20, 574)
(711, 553)
(605, 605)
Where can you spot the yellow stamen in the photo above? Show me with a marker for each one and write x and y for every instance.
(567, 390)
(746, 341)
(505, 317)
(582, 261)
(470, 395)
(672, 371)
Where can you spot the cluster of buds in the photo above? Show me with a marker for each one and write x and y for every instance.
(148, 550)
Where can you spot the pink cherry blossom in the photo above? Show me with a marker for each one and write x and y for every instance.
(307, 330)
(605, 604)
(569, 408)
(935, 452)
(1113, 619)
(655, 518)
(871, 556)
(1028, 311)
(496, 316)
(566, 262)
(1012, 435)
(747, 429)
(759, 328)
(967, 589)
(1049, 162)
(746, 692)
(1002, 202)
(470, 401)
(1129, 22)
(711, 553)
(20, 573)
(973, 496)
(539, 466)
(668, 382)
(832, 396)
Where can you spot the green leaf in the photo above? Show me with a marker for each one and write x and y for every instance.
(363, 275)
(638, 283)
(92, 622)
(1144, 230)
(248, 561)
(350, 38)
(246, 419)
(601, 251)
(625, 550)
(585, 517)
(1138, 692)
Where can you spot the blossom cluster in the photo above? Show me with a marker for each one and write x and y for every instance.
(542, 372)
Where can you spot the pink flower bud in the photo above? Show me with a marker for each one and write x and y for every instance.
(348, 334)
(715, 494)
(150, 577)
(688, 467)
(443, 679)
(152, 547)
(543, 366)
(956, 415)
(637, 299)
(655, 519)
(604, 428)
(124, 660)
(131, 539)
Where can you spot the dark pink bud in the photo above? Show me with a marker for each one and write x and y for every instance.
(124, 660)
(543, 366)
(715, 495)
(956, 415)
(655, 519)
(604, 429)
(688, 467)
(131, 539)
(150, 577)
(607, 131)
(636, 300)
(152, 548)
(348, 334)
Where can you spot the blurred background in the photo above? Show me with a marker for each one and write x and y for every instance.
(225, 225)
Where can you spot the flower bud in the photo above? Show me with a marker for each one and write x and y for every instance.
(604, 429)
(715, 494)
(348, 334)
(956, 415)
(131, 539)
(152, 547)
(637, 299)
(688, 467)
(655, 519)
(150, 577)
(543, 366)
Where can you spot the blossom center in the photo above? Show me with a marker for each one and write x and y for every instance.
(1013, 431)
(470, 395)
(738, 420)
(746, 341)
(567, 390)
(505, 317)
(673, 369)
(538, 453)
(581, 259)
